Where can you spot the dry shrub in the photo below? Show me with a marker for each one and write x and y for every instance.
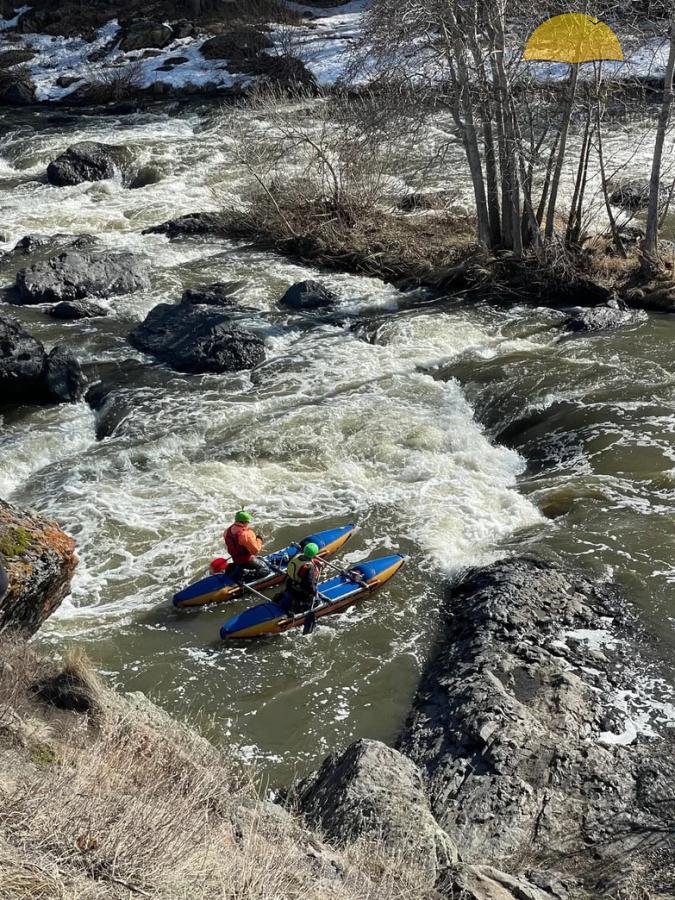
(142, 808)
(112, 85)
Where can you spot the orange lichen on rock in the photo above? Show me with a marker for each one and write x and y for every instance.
(37, 562)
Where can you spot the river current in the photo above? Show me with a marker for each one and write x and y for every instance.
(453, 433)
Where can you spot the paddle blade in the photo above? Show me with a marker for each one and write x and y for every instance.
(310, 622)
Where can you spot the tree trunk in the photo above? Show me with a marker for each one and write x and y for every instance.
(555, 182)
(650, 247)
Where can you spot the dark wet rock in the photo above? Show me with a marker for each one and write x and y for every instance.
(146, 33)
(602, 318)
(88, 161)
(77, 309)
(39, 561)
(426, 200)
(244, 43)
(9, 58)
(657, 297)
(190, 225)
(36, 243)
(195, 339)
(64, 379)
(373, 790)
(17, 88)
(506, 727)
(115, 389)
(145, 176)
(284, 71)
(66, 81)
(308, 296)
(74, 275)
(219, 294)
(633, 194)
(29, 375)
(172, 63)
(22, 363)
(67, 690)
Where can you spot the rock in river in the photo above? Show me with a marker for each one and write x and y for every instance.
(602, 318)
(38, 561)
(308, 295)
(197, 339)
(29, 375)
(77, 309)
(509, 724)
(219, 294)
(74, 275)
(88, 161)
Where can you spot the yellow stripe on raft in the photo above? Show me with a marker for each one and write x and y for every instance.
(285, 623)
(234, 590)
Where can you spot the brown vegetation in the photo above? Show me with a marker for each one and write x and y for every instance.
(124, 802)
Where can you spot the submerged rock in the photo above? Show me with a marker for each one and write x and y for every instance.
(74, 275)
(602, 318)
(190, 225)
(218, 294)
(77, 309)
(373, 790)
(194, 339)
(39, 561)
(88, 161)
(308, 296)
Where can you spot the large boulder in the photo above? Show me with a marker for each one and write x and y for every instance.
(602, 318)
(38, 560)
(196, 339)
(89, 161)
(74, 275)
(17, 88)
(9, 58)
(244, 43)
(308, 296)
(145, 33)
(372, 790)
(22, 363)
(29, 375)
(517, 727)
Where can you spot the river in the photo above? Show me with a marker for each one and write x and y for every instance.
(397, 425)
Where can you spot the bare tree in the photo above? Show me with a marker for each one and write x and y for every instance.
(650, 249)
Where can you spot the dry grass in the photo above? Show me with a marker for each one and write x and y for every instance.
(128, 803)
(352, 236)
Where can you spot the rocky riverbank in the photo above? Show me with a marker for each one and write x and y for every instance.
(519, 772)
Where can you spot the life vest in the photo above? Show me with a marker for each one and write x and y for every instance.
(301, 574)
(241, 543)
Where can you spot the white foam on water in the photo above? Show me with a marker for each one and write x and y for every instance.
(55, 435)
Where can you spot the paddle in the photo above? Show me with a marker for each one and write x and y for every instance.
(359, 579)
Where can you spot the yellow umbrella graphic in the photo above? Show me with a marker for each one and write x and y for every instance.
(573, 38)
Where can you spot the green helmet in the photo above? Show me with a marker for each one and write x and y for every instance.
(310, 550)
(243, 517)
